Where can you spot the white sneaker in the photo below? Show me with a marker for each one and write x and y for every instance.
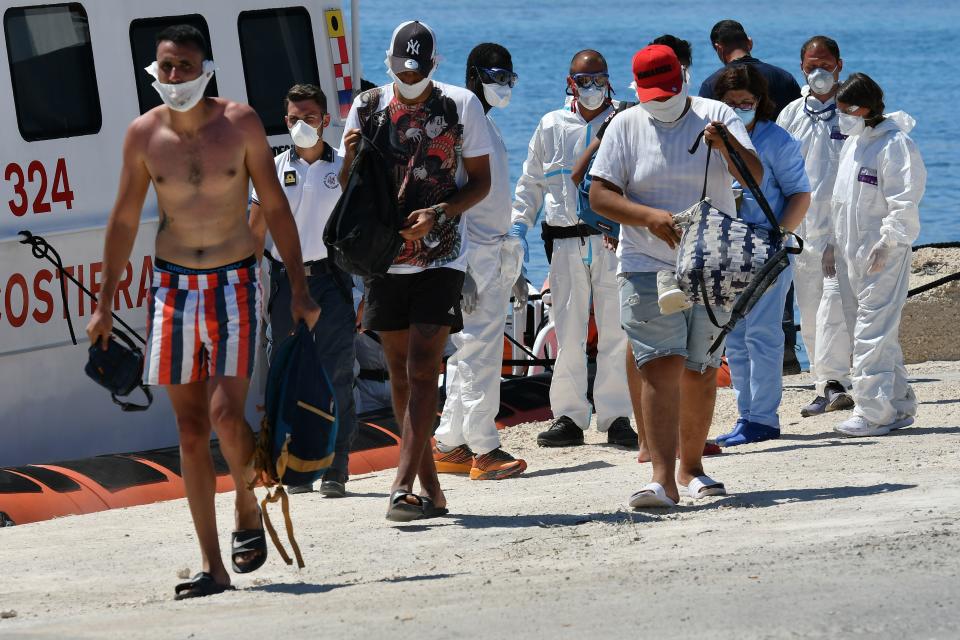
(860, 427)
(903, 420)
(669, 296)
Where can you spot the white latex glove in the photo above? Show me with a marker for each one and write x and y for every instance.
(520, 292)
(828, 262)
(877, 257)
(469, 295)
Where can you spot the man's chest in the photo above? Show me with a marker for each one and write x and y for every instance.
(210, 160)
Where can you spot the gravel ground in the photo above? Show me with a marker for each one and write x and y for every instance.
(821, 537)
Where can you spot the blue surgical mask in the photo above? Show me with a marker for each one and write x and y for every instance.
(746, 115)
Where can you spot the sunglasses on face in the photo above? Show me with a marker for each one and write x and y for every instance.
(503, 77)
(586, 80)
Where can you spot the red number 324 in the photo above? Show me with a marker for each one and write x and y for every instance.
(37, 173)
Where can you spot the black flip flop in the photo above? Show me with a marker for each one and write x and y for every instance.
(245, 541)
(402, 511)
(201, 585)
(431, 510)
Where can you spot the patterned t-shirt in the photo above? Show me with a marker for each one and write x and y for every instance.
(424, 144)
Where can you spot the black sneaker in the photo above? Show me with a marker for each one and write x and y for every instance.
(837, 398)
(815, 408)
(299, 488)
(622, 434)
(334, 484)
(564, 432)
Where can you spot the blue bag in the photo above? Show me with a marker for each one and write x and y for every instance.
(298, 432)
(587, 215)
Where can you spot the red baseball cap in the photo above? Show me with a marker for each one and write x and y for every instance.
(657, 72)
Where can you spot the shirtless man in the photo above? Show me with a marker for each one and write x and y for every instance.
(200, 154)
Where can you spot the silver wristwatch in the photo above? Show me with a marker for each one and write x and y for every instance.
(440, 214)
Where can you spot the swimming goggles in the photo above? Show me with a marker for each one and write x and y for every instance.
(503, 77)
(585, 80)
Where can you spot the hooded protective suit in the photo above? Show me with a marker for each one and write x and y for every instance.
(581, 271)
(815, 125)
(473, 371)
(880, 182)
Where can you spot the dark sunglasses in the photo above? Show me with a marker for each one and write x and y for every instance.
(503, 77)
(584, 80)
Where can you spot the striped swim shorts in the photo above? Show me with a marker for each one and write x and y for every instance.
(202, 323)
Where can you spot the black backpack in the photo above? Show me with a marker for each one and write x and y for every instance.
(363, 232)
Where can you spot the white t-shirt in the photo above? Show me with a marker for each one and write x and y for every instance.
(650, 161)
(489, 220)
(312, 191)
(427, 135)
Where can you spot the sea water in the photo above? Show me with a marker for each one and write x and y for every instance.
(910, 48)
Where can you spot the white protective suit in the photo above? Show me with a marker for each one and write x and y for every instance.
(824, 332)
(473, 371)
(581, 270)
(879, 185)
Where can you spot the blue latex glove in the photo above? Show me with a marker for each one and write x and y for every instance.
(519, 230)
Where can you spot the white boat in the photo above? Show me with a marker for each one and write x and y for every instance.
(73, 79)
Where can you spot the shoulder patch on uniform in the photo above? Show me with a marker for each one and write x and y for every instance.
(289, 178)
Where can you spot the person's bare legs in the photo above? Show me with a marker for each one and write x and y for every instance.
(228, 397)
(190, 405)
(634, 383)
(415, 355)
(660, 402)
(699, 393)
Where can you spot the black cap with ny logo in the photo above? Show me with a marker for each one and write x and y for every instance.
(412, 48)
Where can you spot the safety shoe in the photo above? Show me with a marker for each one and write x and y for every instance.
(815, 408)
(564, 432)
(334, 484)
(670, 298)
(496, 465)
(457, 460)
(836, 397)
(622, 434)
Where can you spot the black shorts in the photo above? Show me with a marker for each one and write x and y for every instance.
(395, 301)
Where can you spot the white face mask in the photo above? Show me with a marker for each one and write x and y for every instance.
(409, 91)
(497, 95)
(851, 125)
(821, 81)
(591, 98)
(304, 136)
(185, 95)
(670, 109)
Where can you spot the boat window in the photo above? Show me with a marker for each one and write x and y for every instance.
(277, 49)
(52, 73)
(143, 45)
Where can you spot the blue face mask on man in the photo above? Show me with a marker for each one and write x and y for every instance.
(746, 115)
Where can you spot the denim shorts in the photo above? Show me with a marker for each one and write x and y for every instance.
(652, 335)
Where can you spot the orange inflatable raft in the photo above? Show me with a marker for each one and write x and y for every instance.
(35, 492)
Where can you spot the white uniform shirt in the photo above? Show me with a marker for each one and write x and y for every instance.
(650, 161)
(560, 139)
(313, 191)
(820, 144)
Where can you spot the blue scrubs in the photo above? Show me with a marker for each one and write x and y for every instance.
(755, 346)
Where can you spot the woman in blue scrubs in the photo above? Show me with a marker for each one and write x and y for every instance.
(755, 346)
